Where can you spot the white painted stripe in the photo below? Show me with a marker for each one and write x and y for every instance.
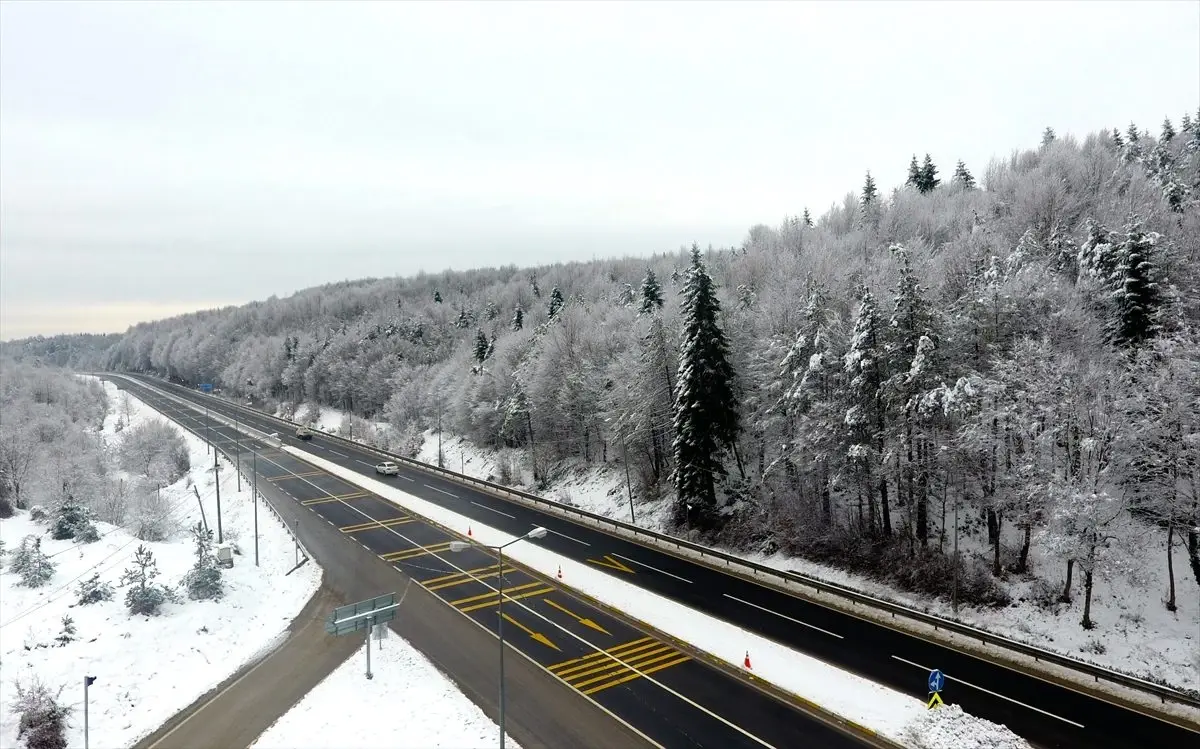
(576, 540)
(340, 455)
(994, 694)
(314, 444)
(661, 572)
(505, 514)
(443, 491)
(783, 616)
(368, 465)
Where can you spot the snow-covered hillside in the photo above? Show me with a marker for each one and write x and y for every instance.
(146, 667)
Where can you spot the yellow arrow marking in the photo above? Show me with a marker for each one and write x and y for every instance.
(535, 635)
(580, 619)
(612, 564)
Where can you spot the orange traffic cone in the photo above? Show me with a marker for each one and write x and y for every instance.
(469, 531)
(560, 572)
(746, 662)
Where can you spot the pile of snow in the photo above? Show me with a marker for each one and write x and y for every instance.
(422, 706)
(948, 727)
(146, 668)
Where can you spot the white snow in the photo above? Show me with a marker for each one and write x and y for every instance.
(408, 703)
(147, 668)
(850, 696)
(948, 727)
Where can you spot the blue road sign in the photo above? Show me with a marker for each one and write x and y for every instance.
(937, 680)
(206, 387)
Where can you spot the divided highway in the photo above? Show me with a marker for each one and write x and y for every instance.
(1046, 714)
(657, 687)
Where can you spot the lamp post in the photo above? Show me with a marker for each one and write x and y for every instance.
(237, 441)
(87, 682)
(537, 532)
(255, 492)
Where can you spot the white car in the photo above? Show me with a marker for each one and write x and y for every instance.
(387, 468)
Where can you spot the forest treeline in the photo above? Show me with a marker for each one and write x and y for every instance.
(1012, 354)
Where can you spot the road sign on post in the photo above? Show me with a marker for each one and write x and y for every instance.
(364, 615)
(206, 387)
(937, 680)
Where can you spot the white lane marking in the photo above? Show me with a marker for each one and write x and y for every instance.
(340, 455)
(505, 514)
(994, 694)
(368, 465)
(576, 540)
(314, 444)
(783, 616)
(443, 491)
(663, 572)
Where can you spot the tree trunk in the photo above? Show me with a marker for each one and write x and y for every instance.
(1023, 560)
(738, 458)
(1066, 594)
(923, 494)
(1170, 564)
(1193, 545)
(1087, 600)
(995, 521)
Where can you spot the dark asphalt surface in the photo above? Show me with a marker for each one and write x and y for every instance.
(1046, 714)
(654, 686)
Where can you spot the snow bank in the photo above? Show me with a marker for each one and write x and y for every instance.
(948, 727)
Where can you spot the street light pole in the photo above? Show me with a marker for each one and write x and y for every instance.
(237, 440)
(87, 682)
(207, 437)
(537, 532)
(255, 491)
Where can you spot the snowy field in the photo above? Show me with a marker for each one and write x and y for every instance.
(189, 648)
(886, 711)
(422, 706)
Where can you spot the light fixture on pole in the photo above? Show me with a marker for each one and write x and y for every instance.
(537, 532)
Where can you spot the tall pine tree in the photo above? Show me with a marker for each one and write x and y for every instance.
(807, 218)
(962, 177)
(929, 179)
(706, 409)
(914, 174)
(518, 320)
(652, 297)
(1048, 136)
(1135, 290)
(867, 415)
(556, 302)
(1168, 132)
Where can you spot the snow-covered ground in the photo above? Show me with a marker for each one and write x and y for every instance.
(191, 647)
(886, 711)
(422, 706)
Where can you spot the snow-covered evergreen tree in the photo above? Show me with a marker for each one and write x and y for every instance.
(518, 320)
(866, 419)
(31, 563)
(807, 218)
(706, 416)
(1048, 136)
(144, 597)
(67, 635)
(73, 520)
(92, 590)
(652, 298)
(1136, 292)
(43, 722)
(482, 347)
(914, 174)
(962, 177)
(928, 179)
(555, 304)
(1168, 131)
(203, 581)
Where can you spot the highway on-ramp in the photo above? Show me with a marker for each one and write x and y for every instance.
(618, 682)
(1045, 713)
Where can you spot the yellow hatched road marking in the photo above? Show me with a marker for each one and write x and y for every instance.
(396, 556)
(481, 574)
(507, 597)
(601, 653)
(333, 498)
(295, 475)
(375, 524)
(607, 671)
(587, 667)
(464, 573)
(632, 676)
(492, 593)
(598, 671)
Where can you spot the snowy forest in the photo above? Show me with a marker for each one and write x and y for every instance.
(1011, 354)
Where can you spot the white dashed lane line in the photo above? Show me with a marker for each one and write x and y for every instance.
(505, 514)
(572, 538)
(448, 494)
(340, 455)
(661, 572)
(783, 616)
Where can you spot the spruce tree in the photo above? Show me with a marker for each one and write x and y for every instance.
(652, 297)
(144, 595)
(32, 564)
(914, 174)
(706, 415)
(866, 416)
(481, 347)
(93, 591)
(807, 218)
(464, 320)
(556, 302)
(437, 296)
(1185, 124)
(1168, 132)
(203, 581)
(1133, 133)
(1135, 288)
(870, 193)
(929, 178)
(518, 320)
(67, 635)
(962, 177)
(1118, 139)
(1048, 136)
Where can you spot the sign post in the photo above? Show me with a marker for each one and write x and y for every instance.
(87, 682)
(937, 681)
(364, 615)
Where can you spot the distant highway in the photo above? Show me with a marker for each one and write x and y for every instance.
(1046, 714)
(662, 690)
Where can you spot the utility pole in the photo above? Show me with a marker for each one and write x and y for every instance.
(628, 484)
(87, 682)
(351, 417)
(954, 595)
(217, 478)
(207, 437)
(440, 463)
(237, 440)
(255, 508)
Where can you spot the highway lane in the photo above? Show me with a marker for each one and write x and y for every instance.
(1045, 713)
(660, 689)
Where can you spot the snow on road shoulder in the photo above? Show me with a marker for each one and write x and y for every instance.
(408, 703)
(860, 700)
(948, 727)
(147, 668)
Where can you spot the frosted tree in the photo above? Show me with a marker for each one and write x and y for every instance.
(706, 415)
(652, 298)
(73, 520)
(18, 448)
(67, 634)
(203, 580)
(31, 563)
(1135, 290)
(807, 218)
(518, 320)
(865, 365)
(869, 203)
(555, 305)
(1048, 136)
(962, 177)
(144, 597)
(482, 347)
(437, 296)
(92, 590)
(929, 178)
(1168, 131)
(43, 722)
(914, 174)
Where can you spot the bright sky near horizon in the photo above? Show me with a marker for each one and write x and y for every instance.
(161, 158)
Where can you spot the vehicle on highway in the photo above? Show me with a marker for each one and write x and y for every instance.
(304, 433)
(387, 468)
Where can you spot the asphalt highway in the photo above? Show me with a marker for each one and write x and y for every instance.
(656, 687)
(1046, 714)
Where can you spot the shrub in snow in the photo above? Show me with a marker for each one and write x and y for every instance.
(144, 595)
(31, 563)
(43, 721)
(155, 449)
(93, 590)
(73, 520)
(203, 581)
(151, 518)
(67, 634)
(38, 514)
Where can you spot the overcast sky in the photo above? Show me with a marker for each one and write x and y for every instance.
(160, 158)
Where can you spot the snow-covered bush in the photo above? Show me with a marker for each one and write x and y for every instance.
(155, 449)
(93, 590)
(38, 514)
(144, 596)
(31, 563)
(151, 517)
(43, 718)
(73, 520)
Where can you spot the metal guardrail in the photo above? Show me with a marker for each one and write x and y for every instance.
(789, 579)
